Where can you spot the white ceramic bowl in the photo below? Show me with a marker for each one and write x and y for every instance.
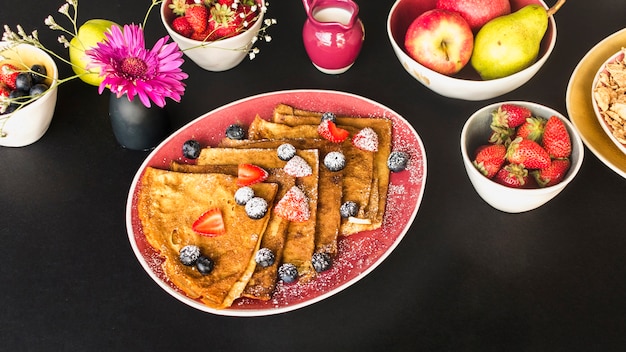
(28, 124)
(467, 84)
(608, 129)
(476, 132)
(220, 55)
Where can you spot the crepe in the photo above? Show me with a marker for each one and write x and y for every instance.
(169, 203)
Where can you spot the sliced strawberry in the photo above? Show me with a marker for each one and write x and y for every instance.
(328, 130)
(181, 26)
(248, 174)
(366, 139)
(489, 159)
(8, 74)
(298, 167)
(552, 174)
(293, 206)
(210, 224)
(556, 139)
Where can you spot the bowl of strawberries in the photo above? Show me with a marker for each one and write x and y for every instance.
(519, 155)
(216, 35)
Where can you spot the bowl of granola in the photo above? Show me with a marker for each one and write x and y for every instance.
(28, 93)
(608, 96)
(216, 37)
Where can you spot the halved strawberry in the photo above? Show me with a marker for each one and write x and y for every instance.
(210, 223)
(293, 206)
(248, 174)
(8, 74)
(328, 130)
(366, 139)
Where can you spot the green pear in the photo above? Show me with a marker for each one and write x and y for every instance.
(510, 43)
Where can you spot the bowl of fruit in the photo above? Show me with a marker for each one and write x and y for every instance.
(217, 37)
(519, 155)
(472, 49)
(28, 93)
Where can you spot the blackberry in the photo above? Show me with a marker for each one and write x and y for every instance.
(348, 209)
(189, 254)
(191, 149)
(335, 161)
(243, 195)
(397, 161)
(329, 116)
(321, 261)
(286, 151)
(236, 132)
(264, 257)
(256, 208)
(204, 265)
(288, 273)
(38, 73)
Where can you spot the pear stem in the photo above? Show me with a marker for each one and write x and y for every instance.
(556, 7)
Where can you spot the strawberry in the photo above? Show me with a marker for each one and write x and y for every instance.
(527, 153)
(179, 7)
(8, 74)
(510, 115)
(328, 130)
(248, 174)
(489, 159)
(512, 175)
(366, 139)
(531, 129)
(4, 90)
(552, 174)
(224, 22)
(297, 167)
(198, 17)
(181, 26)
(293, 206)
(501, 135)
(210, 223)
(556, 140)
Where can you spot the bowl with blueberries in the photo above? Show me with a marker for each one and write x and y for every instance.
(28, 93)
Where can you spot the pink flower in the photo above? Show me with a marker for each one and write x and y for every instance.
(129, 68)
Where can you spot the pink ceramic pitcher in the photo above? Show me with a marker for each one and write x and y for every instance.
(333, 34)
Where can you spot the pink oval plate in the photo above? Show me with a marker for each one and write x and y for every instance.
(357, 255)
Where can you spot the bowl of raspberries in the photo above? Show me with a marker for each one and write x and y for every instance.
(216, 35)
(519, 155)
(28, 93)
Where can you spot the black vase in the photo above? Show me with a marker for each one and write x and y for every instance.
(135, 126)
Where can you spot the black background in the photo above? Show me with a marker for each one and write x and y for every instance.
(465, 277)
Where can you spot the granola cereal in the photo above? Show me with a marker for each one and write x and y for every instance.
(610, 96)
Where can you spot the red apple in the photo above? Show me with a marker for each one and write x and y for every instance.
(476, 12)
(440, 40)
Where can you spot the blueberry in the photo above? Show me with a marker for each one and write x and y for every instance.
(243, 195)
(235, 131)
(23, 81)
(256, 208)
(288, 273)
(38, 89)
(397, 161)
(329, 116)
(335, 161)
(17, 94)
(189, 255)
(348, 209)
(191, 149)
(286, 151)
(38, 73)
(321, 261)
(264, 257)
(204, 265)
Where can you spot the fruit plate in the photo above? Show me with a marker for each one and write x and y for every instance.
(580, 105)
(358, 254)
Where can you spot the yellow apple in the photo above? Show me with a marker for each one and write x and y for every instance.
(88, 36)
